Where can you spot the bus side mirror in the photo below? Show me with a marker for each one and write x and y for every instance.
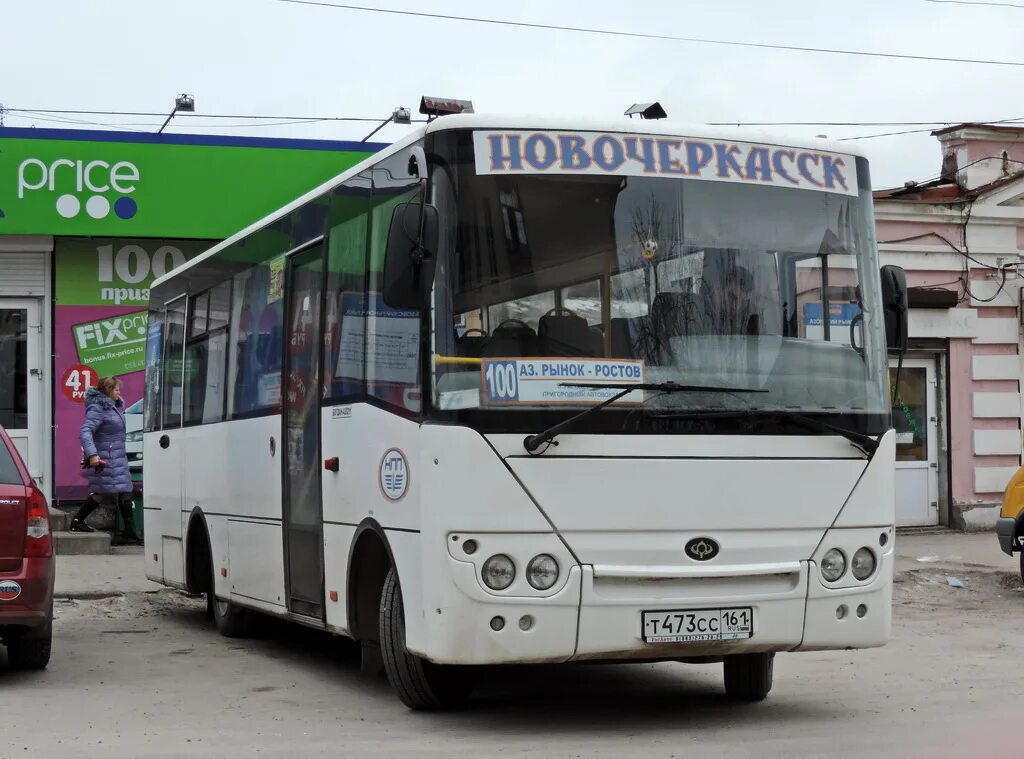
(409, 258)
(895, 307)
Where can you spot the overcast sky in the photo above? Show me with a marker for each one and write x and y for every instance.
(268, 57)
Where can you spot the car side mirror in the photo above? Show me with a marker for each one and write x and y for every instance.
(895, 307)
(409, 258)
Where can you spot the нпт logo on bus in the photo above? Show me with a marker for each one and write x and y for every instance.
(701, 549)
(394, 475)
(9, 590)
(73, 182)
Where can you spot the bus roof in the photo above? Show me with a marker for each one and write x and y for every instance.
(529, 122)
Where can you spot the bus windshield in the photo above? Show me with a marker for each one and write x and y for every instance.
(571, 278)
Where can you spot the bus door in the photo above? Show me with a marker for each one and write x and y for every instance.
(303, 517)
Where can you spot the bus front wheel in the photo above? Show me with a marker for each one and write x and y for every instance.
(748, 677)
(420, 684)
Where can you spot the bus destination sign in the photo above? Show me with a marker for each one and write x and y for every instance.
(597, 153)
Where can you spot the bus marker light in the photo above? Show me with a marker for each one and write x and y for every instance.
(334, 596)
(332, 464)
(223, 571)
(155, 558)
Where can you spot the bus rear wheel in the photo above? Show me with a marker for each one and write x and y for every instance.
(748, 677)
(420, 684)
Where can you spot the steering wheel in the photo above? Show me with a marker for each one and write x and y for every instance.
(472, 329)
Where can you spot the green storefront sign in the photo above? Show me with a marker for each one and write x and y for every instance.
(114, 345)
(62, 182)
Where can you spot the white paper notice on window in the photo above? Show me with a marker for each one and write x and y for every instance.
(392, 354)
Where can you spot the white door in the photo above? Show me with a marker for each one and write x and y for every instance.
(915, 417)
(21, 380)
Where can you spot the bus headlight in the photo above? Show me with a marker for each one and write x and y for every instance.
(542, 572)
(863, 564)
(498, 572)
(833, 565)
(133, 437)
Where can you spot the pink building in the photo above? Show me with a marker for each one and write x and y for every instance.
(960, 238)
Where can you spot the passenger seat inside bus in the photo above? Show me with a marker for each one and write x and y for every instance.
(511, 338)
(568, 334)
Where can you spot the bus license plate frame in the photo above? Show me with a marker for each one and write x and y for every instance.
(686, 625)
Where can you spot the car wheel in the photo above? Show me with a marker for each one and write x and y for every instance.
(420, 684)
(748, 677)
(30, 651)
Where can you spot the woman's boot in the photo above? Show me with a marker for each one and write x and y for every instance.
(78, 521)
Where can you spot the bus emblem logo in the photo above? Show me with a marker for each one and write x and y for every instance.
(702, 549)
(394, 475)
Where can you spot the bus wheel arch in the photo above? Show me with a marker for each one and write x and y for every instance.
(369, 562)
(198, 555)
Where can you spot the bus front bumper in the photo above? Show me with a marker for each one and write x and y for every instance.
(596, 617)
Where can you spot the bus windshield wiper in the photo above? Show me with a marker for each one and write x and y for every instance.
(865, 443)
(533, 442)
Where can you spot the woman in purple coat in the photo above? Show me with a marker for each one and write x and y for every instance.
(103, 442)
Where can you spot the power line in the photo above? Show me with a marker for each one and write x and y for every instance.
(198, 115)
(641, 35)
(284, 120)
(976, 2)
(1016, 120)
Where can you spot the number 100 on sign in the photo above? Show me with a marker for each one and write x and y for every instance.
(502, 378)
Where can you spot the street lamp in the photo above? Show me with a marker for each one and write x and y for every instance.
(400, 115)
(184, 103)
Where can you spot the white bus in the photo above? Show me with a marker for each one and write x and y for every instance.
(530, 390)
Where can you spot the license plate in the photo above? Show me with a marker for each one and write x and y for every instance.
(693, 625)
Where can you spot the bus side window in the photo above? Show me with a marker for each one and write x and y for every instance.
(255, 342)
(154, 351)
(206, 355)
(392, 335)
(172, 363)
(345, 289)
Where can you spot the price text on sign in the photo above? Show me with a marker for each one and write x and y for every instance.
(532, 381)
(76, 381)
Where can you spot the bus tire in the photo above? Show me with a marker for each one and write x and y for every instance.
(748, 677)
(420, 684)
(232, 621)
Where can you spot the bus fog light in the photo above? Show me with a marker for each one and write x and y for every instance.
(863, 564)
(498, 572)
(833, 565)
(497, 624)
(542, 571)
(525, 622)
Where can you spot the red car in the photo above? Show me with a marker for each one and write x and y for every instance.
(26, 564)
